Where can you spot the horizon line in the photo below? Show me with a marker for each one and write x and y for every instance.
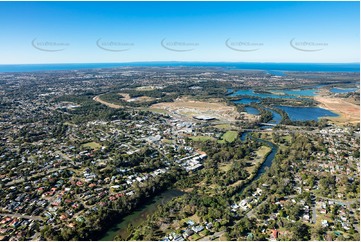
(135, 62)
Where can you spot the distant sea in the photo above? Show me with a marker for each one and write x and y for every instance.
(272, 68)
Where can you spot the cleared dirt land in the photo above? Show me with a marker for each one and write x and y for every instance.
(349, 112)
(190, 108)
(127, 98)
(111, 105)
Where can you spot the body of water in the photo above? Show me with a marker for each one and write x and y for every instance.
(295, 113)
(306, 113)
(298, 93)
(247, 101)
(252, 110)
(269, 159)
(243, 136)
(139, 215)
(276, 117)
(276, 73)
(279, 68)
(303, 92)
(250, 92)
(272, 68)
(343, 90)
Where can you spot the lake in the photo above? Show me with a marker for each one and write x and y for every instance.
(250, 92)
(295, 113)
(306, 113)
(343, 90)
(139, 215)
(247, 101)
(303, 92)
(252, 110)
(297, 93)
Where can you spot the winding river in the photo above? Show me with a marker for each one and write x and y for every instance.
(269, 159)
(139, 215)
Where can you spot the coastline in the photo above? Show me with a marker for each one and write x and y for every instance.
(272, 67)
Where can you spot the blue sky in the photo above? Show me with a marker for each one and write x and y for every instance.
(191, 31)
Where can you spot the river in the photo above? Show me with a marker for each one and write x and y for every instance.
(139, 215)
(269, 159)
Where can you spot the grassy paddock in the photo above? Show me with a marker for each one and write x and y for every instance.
(229, 136)
(92, 145)
(201, 138)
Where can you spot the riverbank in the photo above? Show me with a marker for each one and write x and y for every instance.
(349, 112)
(134, 219)
(261, 166)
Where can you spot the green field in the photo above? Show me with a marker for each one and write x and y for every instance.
(262, 151)
(92, 145)
(229, 136)
(201, 138)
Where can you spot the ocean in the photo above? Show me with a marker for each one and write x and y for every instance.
(272, 68)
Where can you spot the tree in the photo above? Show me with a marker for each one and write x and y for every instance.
(300, 231)
(317, 232)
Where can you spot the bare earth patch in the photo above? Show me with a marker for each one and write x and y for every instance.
(188, 108)
(111, 105)
(127, 98)
(148, 88)
(349, 112)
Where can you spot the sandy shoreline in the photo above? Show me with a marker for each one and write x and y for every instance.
(349, 112)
